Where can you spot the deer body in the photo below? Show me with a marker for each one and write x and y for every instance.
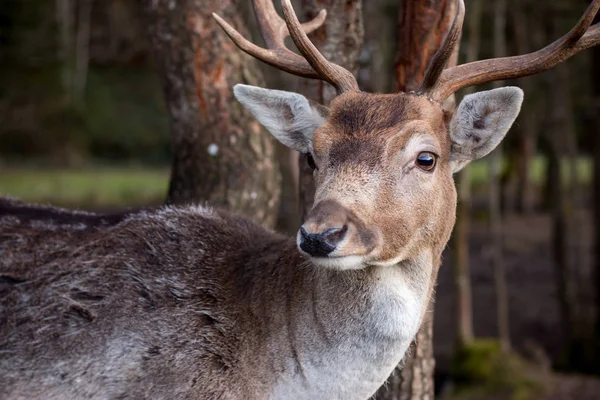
(171, 304)
(186, 302)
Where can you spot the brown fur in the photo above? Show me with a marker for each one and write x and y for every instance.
(362, 125)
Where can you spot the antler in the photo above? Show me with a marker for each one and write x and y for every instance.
(441, 57)
(274, 30)
(452, 79)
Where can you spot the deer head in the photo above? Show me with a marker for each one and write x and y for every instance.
(383, 163)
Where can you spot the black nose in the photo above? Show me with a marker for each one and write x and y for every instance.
(321, 244)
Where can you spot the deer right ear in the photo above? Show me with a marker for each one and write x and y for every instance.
(288, 116)
(480, 123)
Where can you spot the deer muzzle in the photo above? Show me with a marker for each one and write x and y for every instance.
(332, 230)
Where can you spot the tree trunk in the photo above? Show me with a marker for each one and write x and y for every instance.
(528, 37)
(558, 131)
(596, 183)
(64, 21)
(221, 155)
(423, 27)
(460, 243)
(339, 40)
(495, 193)
(82, 49)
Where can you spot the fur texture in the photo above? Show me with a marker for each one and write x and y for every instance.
(481, 122)
(290, 117)
(192, 303)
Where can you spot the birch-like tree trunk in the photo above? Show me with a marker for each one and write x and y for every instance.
(221, 155)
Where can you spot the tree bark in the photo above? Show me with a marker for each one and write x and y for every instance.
(221, 155)
(423, 26)
(460, 243)
(339, 40)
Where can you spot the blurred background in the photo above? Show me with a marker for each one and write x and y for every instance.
(95, 100)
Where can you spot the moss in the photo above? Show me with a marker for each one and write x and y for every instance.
(483, 369)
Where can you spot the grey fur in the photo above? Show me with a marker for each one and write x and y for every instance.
(290, 117)
(176, 303)
(481, 121)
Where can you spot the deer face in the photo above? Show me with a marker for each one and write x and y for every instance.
(383, 167)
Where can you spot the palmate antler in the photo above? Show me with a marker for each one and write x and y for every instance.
(438, 83)
(274, 30)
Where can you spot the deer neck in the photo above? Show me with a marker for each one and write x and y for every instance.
(345, 331)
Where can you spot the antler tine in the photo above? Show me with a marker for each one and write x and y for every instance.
(342, 79)
(441, 57)
(274, 31)
(273, 28)
(579, 38)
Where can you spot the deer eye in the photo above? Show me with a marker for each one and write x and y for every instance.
(310, 161)
(426, 161)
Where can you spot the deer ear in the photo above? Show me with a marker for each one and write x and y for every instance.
(480, 123)
(288, 116)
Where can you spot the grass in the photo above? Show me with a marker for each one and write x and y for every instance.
(92, 188)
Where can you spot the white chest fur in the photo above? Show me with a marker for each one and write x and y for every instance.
(365, 351)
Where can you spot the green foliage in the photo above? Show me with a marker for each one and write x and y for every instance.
(123, 118)
(94, 188)
(483, 369)
(122, 114)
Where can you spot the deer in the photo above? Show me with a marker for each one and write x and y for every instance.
(200, 303)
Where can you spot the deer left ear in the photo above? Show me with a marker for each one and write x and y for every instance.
(290, 117)
(480, 123)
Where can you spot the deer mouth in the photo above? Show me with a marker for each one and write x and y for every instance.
(341, 263)
(340, 248)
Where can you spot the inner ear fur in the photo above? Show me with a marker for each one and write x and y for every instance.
(480, 123)
(290, 117)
